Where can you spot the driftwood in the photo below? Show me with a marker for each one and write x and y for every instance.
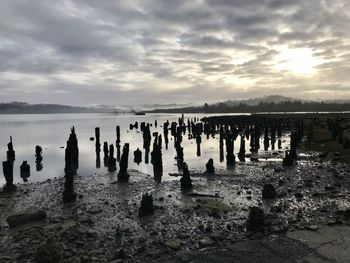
(203, 195)
(24, 218)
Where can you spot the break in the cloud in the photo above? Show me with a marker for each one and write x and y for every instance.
(156, 51)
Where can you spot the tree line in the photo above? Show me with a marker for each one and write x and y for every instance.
(287, 106)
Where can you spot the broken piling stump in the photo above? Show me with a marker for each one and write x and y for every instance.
(71, 166)
(186, 182)
(146, 207)
(210, 166)
(269, 192)
(256, 219)
(123, 175)
(138, 156)
(7, 168)
(25, 171)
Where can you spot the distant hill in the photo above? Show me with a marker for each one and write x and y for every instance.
(256, 101)
(25, 108)
(273, 103)
(165, 106)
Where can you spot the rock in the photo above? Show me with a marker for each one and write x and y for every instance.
(298, 195)
(323, 155)
(120, 254)
(174, 244)
(313, 227)
(269, 192)
(50, 252)
(308, 183)
(75, 260)
(256, 219)
(24, 218)
(347, 214)
(329, 187)
(205, 242)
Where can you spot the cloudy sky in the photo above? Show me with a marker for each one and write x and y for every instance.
(86, 52)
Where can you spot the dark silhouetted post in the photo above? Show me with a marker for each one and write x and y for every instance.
(156, 158)
(221, 144)
(210, 166)
(7, 168)
(112, 162)
(186, 182)
(146, 207)
(25, 171)
(71, 166)
(198, 142)
(241, 154)
(123, 175)
(138, 156)
(105, 154)
(230, 157)
(38, 158)
(97, 140)
(11, 154)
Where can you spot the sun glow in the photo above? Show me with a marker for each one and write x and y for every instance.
(299, 61)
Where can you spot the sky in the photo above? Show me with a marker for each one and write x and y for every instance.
(135, 52)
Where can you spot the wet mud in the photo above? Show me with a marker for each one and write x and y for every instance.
(103, 224)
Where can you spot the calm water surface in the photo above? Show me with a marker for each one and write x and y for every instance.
(51, 132)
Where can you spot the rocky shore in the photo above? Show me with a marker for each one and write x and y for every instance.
(206, 224)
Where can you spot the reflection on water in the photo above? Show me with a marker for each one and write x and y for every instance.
(40, 139)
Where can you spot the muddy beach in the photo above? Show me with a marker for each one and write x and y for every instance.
(207, 223)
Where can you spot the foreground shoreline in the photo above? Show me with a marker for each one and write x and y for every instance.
(103, 224)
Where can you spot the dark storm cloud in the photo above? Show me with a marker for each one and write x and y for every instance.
(151, 51)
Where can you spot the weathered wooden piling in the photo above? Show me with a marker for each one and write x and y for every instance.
(105, 154)
(25, 171)
(98, 161)
(112, 162)
(241, 154)
(198, 142)
(138, 156)
(210, 169)
(287, 160)
(71, 166)
(123, 175)
(97, 140)
(186, 182)
(38, 153)
(230, 157)
(266, 139)
(156, 158)
(7, 168)
(293, 144)
(146, 207)
(118, 152)
(105, 150)
(38, 158)
(11, 154)
(221, 144)
(117, 130)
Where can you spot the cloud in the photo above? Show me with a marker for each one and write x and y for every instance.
(142, 51)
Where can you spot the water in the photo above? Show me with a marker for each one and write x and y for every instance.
(51, 132)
